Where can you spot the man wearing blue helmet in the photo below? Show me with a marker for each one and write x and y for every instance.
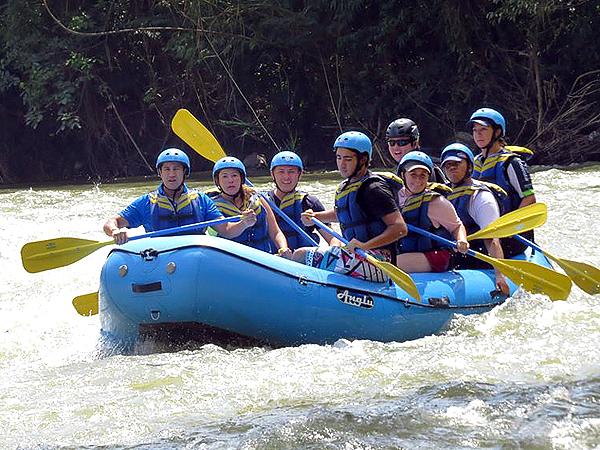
(500, 166)
(286, 170)
(366, 209)
(430, 211)
(172, 204)
(476, 206)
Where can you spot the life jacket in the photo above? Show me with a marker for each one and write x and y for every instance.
(493, 169)
(461, 197)
(292, 206)
(166, 214)
(256, 236)
(354, 222)
(415, 212)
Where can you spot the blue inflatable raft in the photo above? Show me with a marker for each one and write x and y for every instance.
(215, 284)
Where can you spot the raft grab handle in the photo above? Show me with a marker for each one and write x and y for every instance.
(148, 287)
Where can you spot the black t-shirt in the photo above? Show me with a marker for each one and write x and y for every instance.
(376, 198)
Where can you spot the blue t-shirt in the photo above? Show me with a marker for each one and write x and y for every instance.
(139, 211)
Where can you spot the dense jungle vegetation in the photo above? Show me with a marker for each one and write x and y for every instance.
(88, 88)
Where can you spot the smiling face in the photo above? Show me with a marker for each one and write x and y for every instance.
(416, 180)
(230, 181)
(456, 171)
(398, 147)
(286, 178)
(172, 175)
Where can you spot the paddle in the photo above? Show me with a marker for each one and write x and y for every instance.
(199, 138)
(515, 222)
(53, 253)
(586, 276)
(399, 277)
(87, 304)
(533, 277)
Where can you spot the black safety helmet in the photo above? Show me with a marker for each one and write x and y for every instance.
(402, 128)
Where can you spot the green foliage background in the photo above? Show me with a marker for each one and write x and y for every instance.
(88, 88)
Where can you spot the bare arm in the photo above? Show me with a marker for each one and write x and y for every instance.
(494, 249)
(234, 229)
(115, 227)
(396, 229)
(275, 232)
(526, 201)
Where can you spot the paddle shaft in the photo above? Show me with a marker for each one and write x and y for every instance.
(533, 277)
(399, 277)
(529, 243)
(184, 228)
(191, 130)
(584, 275)
(337, 235)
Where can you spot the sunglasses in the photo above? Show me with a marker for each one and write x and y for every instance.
(399, 142)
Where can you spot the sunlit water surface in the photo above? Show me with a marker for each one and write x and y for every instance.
(525, 375)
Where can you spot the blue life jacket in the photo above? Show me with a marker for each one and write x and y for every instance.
(291, 205)
(415, 212)
(493, 169)
(166, 214)
(354, 222)
(256, 236)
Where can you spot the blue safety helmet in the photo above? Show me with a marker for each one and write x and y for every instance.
(174, 155)
(286, 158)
(487, 117)
(415, 159)
(229, 162)
(354, 140)
(457, 152)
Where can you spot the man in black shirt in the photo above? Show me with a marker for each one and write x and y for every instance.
(366, 209)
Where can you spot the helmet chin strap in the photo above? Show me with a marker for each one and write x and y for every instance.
(236, 195)
(281, 190)
(175, 191)
(493, 140)
(359, 167)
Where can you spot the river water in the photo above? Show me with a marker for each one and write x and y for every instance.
(525, 375)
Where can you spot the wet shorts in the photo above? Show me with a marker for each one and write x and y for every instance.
(439, 260)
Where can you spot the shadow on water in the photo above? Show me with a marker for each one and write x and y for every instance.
(176, 337)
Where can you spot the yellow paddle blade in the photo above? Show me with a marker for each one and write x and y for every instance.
(515, 222)
(399, 277)
(533, 277)
(586, 276)
(194, 134)
(86, 305)
(52, 253)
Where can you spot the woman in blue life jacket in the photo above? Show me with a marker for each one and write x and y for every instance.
(234, 197)
(430, 211)
(500, 166)
(476, 206)
(402, 136)
(366, 210)
(286, 170)
(172, 204)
